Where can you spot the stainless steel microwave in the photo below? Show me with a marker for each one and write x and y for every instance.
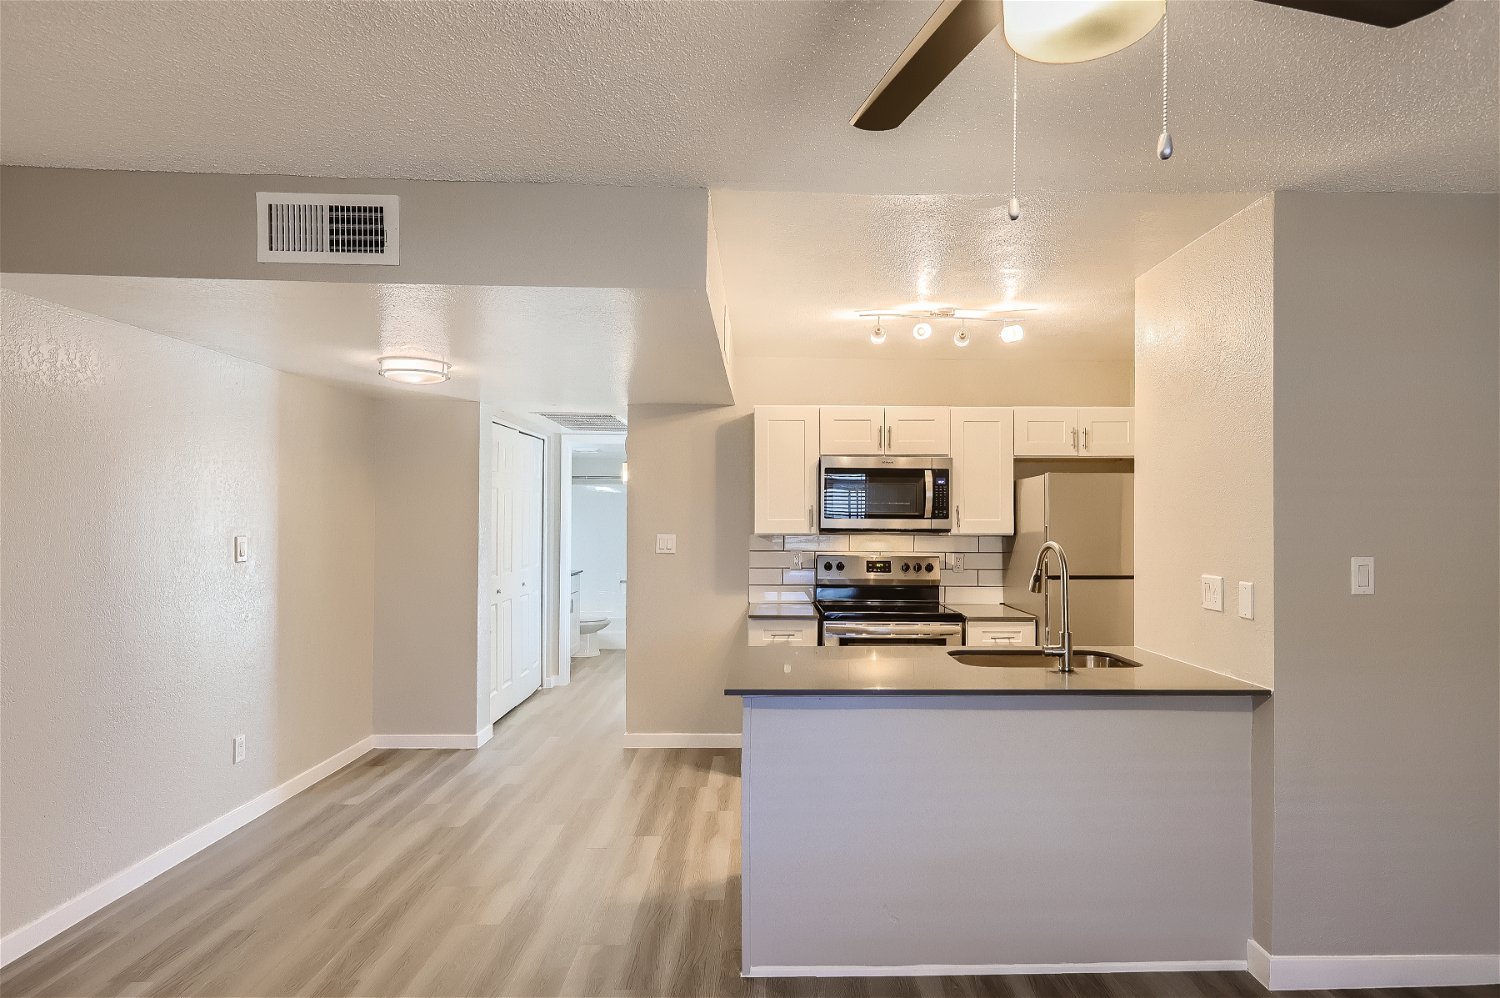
(871, 492)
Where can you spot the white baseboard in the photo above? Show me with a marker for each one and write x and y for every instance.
(998, 969)
(473, 741)
(681, 739)
(31, 935)
(1330, 973)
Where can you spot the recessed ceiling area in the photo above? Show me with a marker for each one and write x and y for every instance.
(522, 349)
(753, 95)
(797, 266)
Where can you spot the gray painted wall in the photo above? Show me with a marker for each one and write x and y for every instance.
(1387, 747)
(134, 647)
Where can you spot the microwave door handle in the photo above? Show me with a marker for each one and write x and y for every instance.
(927, 478)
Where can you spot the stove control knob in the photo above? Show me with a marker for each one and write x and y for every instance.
(840, 566)
(906, 566)
(930, 567)
(827, 566)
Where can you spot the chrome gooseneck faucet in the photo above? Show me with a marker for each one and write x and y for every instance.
(1064, 650)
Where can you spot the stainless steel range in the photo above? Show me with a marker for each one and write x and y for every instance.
(883, 598)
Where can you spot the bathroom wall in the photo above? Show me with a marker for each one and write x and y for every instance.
(599, 550)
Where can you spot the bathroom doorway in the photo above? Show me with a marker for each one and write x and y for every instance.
(598, 478)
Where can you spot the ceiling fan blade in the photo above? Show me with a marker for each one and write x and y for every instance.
(1381, 13)
(953, 31)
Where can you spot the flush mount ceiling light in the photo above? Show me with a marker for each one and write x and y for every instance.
(414, 370)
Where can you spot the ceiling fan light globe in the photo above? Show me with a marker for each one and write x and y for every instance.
(1067, 31)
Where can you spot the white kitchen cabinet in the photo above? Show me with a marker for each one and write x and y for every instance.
(1067, 431)
(786, 469)
(1001, 633)
(916, 429)
(1106, 431)
(874, 429)
(852, 429)
(783, 632)
(1046, 431)
(984, 470)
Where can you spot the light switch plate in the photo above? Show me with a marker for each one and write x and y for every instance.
(1361, 576)
(666, 543)
(239, 749)
(1212, 592)
(241, 548)
(1247, 600)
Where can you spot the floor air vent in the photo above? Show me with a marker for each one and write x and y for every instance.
(587, 422)
(323, 228)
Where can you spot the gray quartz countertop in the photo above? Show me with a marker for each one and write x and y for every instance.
(990, 611)
(919, 670)
(782, 611)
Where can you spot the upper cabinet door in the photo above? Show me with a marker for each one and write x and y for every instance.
(984, 471)
(1106, 431)
(852, 429)
(786, 469)
(916, 429)
(1046, 431)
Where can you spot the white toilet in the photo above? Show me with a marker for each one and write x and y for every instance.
(588, 628)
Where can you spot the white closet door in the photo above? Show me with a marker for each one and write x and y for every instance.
(516, 608)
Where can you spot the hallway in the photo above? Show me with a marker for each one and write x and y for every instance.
(549, 862)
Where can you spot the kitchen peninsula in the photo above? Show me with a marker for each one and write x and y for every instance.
(906, 813)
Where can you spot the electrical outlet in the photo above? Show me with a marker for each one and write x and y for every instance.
(1247, 600)
(1212, 591)
(956, 561)
(241, 548)
(1362, 576)
(239, 749)
(666, 543)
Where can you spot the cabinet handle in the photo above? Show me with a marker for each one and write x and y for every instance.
(958, 514)
(1075, 438)
(1085, 438)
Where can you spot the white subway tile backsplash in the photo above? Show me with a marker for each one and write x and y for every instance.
(816, 542)
(779, 594)
(770, 559)
(996, 543)
(765, 542)
(765, 576)
(990, 578)
(976, 562)
(964, 578)
(797, 577)
(947, 542)
(973, 594)
(882, 542)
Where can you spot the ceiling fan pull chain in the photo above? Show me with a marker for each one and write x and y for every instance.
(1015, 90)
(1164, 143)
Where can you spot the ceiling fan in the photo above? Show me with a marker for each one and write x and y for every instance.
(1059, 31)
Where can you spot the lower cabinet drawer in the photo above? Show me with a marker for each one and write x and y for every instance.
(783, 632)
(994, 632)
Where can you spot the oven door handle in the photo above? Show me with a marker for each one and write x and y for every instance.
(927, 478)
(892, 630)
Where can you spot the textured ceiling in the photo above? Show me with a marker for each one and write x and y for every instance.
(523, 349)
(797, 265)
(738, 94)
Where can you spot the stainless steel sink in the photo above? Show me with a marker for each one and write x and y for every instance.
(1030, 658)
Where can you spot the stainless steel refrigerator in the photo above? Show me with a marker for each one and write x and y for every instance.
(1092, 517)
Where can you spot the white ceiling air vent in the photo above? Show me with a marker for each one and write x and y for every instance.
(586, 422)
(327, 228)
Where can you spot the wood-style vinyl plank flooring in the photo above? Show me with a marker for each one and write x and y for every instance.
(550, 862)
